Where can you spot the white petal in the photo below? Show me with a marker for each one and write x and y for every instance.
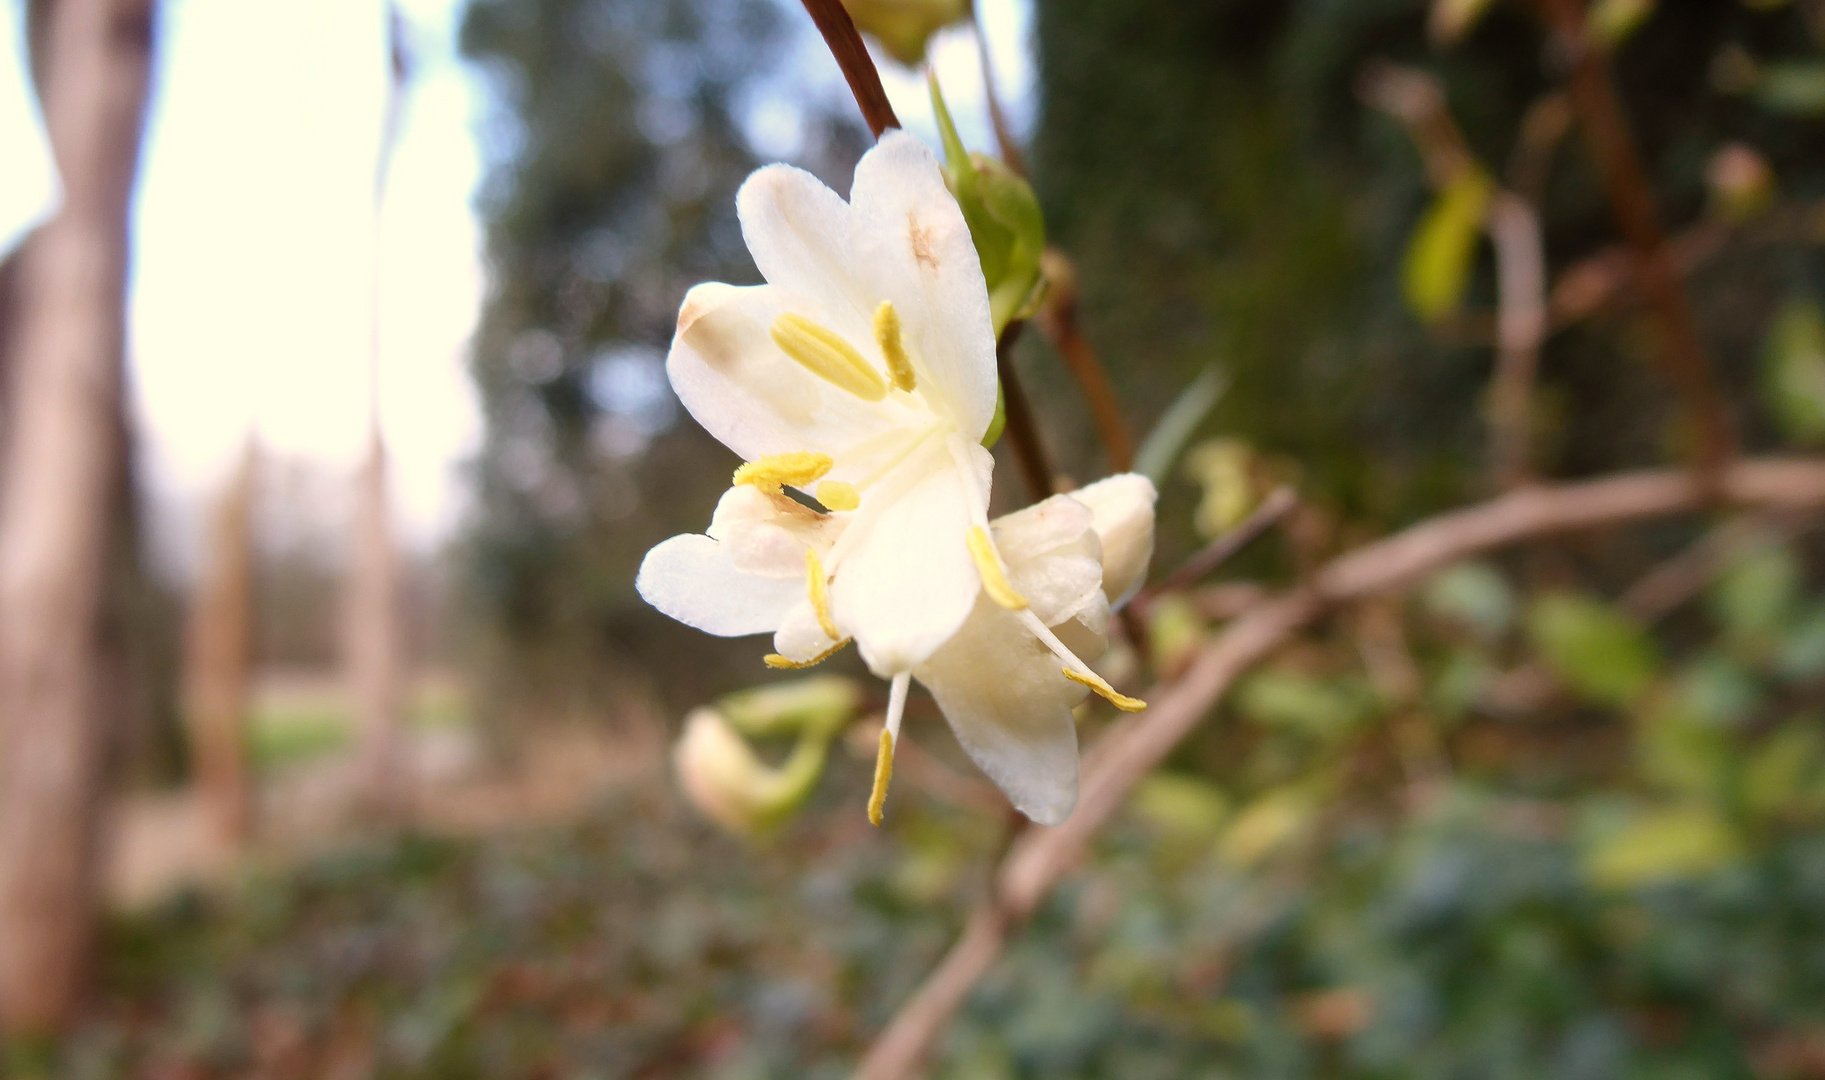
(1122, 508)
(746, 392)
(1010, 707)
(768, 534)
(803, 239)
(907, 582)
(801, 637)
(1039, 528)
(1054, 559)
(911, 238)
(692, 579)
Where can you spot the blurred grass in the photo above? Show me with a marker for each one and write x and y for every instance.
(298, 717)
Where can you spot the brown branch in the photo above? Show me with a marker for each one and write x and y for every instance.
(1520, 260)
(1022, 428)
(1277, 505)
(1058, 318)
(1136, 745)
(1682, 353)
(998, 118)
(845, 43)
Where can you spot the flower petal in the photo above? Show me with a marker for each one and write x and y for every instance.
(1122, 510)
(910, 235)
(907, 580)
(1010, 708)
(803, 239)
(801, 638)
(767, 534)
(748, 394)
(1053, 557)
(693, 579)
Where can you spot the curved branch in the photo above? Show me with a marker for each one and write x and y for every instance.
(1042, 856)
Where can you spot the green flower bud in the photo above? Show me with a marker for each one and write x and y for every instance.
(905, 27)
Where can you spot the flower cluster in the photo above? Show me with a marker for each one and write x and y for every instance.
(862, 376)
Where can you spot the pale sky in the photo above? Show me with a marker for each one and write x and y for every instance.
(255, 232)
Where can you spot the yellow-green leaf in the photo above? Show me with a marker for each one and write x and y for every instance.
(1443, 248)
(1676, 843)
(1793, 370)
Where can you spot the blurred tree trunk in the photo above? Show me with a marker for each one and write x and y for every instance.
(55, 485)
(218, 656)
(372, 641)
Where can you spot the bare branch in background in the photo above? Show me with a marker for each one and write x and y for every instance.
(1520, 259)
(56, 485)
(1681, 354)
(1136, 745)
(991, 91)
(1279, 503)
(1022, 427)
(845, 43)
(1058, 318)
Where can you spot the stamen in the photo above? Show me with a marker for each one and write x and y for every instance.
(819, 592)
(798, 468)
(883, 775)
(893, 346)
(825, 354)
(1109, 694)
(988, 566)
(1076, 670)
(890, 734)
(836, 495)
(786, 663)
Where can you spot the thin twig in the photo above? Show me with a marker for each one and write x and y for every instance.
(1058, 318)
(1682, 353)
(1022, 429)
(1277, 505)
(1520, 260)
(1136, 745)
(998, 117)
(845, 43)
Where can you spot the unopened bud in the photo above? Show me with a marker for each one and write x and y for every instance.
(731, 786)
(905, 27)
(820, 704)
(1004, 220)
(1121, 512)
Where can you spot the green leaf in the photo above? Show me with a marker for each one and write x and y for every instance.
(1272, 821)
(1786, 773)
(1475, 594)
(1599, 652)
(1797, 88)
(1443, 247)
(1321, 708)
(1802, 654)
(1754, 596)
(1654, 846)
(1793, 370)
(1184, 808)
(905, 27)
(1003, 216)
(1162, 446)
(1614, 21)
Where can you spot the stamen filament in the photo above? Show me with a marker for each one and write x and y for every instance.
(988, 567)
(798, 468)
(824, 353)
(893, 346)
(890, 734)
(837, 495)
(786, 663)
(1076, 670)
(818, 590)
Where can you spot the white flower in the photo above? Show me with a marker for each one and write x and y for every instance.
(862, 372)
(1006, 681)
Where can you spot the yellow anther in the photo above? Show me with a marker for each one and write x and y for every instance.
(836, 495)
(798, 468)
(883, 774)
(819, 591)
(1101, 686)
(893, 345)
(825, 354)
(786, 663)
(988, 566)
